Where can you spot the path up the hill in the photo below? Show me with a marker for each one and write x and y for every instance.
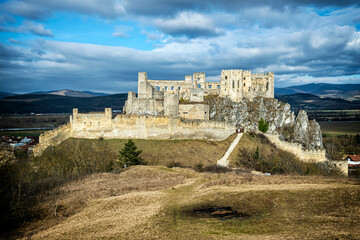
(223, 162)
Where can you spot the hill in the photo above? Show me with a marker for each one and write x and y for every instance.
(350, 92)
(5, 94)
(158, 202)
(149, 202)
(71, 93)
(311, 102)
(49, 103)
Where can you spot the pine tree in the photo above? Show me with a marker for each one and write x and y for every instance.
(263, 125)
(129, 155)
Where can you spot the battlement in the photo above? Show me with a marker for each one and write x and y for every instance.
(262, 74)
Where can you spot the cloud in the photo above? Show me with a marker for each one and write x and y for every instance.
(189, 24)
(298, 41)
(40, 9)
(303, 52)
(29, 27)
(121, 31)
(171, 8)
(151, 36)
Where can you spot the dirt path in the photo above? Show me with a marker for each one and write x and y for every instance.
(224, 160)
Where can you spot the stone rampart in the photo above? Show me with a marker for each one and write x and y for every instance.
(297, 150)
(96, 125)
(52, 138)
(149, 127)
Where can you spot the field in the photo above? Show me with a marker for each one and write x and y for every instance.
(340, 128)
(154, 202)
(33, 121)
(334, 115)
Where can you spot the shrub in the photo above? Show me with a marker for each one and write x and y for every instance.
(263, 125)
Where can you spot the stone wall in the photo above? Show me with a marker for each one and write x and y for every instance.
(149, 106)
(194, 111)
(133, 126)
(297, 150)
(52, 138)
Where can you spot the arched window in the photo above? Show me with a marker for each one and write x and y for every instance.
(233, 84)
(172, 87)
(179, 88)
(157, 88)
(218, 86)
(199, 85)
(165, 88)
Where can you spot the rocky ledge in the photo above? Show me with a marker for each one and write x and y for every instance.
(282, 121)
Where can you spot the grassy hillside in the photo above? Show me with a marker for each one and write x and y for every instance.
(187, 153)
(155, 202)
(76, 191)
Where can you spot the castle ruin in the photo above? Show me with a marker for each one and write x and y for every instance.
(168, 109)
(185, 98)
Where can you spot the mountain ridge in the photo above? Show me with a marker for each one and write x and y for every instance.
(350, 92)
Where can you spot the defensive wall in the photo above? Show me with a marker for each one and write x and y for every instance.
(52, 138)
(125, 126)
(297, 150)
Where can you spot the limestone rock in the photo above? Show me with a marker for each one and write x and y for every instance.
(281, 119)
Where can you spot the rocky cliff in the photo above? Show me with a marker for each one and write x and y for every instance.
(279, 116)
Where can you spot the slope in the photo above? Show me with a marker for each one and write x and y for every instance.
(48, 103)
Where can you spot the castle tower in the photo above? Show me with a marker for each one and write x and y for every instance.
(199, 80)
(171, 105)
(142, 85)
(232, 84)
(74, 116)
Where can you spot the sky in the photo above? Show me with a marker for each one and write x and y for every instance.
(101, 45)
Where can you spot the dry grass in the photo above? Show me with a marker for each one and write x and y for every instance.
(187, 152)
(147, 202)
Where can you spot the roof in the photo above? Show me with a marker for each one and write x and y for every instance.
(354, 157)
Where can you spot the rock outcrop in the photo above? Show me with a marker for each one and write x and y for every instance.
(281, 119)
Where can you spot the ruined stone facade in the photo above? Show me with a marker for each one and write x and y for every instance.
(235, 84)
(161, 97)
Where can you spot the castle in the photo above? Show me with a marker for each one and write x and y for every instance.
(166, 109)
(186, 98)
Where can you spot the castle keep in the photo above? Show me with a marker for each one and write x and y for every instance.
(162, 96)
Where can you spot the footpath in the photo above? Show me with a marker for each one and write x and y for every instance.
(223, 162)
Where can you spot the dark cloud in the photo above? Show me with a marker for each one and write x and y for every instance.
(169, 8)
(40, 9)
(29, 27)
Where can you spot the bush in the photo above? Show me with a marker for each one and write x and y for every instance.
(263, 125)
(283, 163)
(129, 155)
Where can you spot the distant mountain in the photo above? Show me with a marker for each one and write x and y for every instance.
(350, 92)
(51, 103)
(71, 93)
(5, 94)
(308, 102)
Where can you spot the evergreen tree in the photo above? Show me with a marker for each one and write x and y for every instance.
(263, 125)
(129, 155)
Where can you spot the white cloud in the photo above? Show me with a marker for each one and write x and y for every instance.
(121, 31)
(29, 27)
(191, 24)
